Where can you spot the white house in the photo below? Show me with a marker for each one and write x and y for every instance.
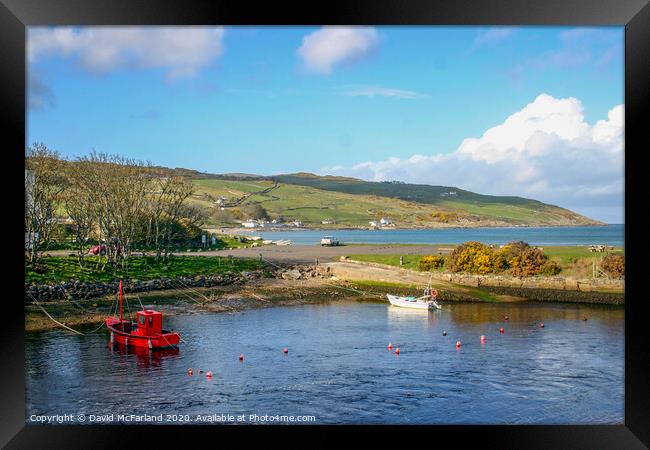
(385, 221)
(373, 223)
(249, 224)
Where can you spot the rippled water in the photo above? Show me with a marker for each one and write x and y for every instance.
(608, 235)
(339, 370)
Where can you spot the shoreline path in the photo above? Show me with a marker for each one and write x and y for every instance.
(307, 254)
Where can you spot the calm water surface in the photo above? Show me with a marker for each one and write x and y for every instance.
(339, 370)
(608, 235)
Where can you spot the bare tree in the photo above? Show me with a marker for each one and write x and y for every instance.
(117, 188)
(44, 185)
(174, 207)
(79, 206)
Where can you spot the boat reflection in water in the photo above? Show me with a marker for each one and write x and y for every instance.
(406, 316)
(145, 358)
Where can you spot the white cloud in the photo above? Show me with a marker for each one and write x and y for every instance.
(182, 51)
(545, 151)
(378, 91)
(491, 35)
(325, 48)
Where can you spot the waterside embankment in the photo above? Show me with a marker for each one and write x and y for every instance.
(559, 289)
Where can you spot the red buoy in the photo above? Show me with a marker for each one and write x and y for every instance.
(190, 371)
(285, 350)
(482, 338)
(397, 351)
(241, 357)
(502, 330)
(390, 346)
(457, 344)
(208, 374)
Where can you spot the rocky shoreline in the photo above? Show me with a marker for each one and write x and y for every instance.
(83, 290)
(76, 303)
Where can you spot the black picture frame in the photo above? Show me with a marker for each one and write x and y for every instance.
(15, 15)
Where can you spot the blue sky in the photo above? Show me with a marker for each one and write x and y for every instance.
(373, 102)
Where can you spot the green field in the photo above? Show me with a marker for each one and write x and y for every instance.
(350, 202)
(506, 208)
(410, 261)
(56, 269)
(574, 260)
(310, 205)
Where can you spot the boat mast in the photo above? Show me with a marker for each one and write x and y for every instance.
(120, 301)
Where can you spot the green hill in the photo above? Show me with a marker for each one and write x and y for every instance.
(351, 202)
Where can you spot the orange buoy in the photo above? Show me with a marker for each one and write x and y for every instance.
(208, 374)
(541, 325)
(390, 346)
(241, 357)
(397, 351)
(285, 350)
(457, 344)
(502, 330)
(190, 371)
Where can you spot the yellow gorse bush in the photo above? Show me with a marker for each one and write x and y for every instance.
(517, 258)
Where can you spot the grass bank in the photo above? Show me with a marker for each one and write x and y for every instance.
(55, 269)
(575, 261)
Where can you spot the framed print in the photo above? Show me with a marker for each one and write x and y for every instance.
(385, 218)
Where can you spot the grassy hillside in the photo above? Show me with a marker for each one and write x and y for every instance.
(351, 202)
(311, 206)
(515, 210)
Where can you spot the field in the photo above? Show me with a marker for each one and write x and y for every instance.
(575, 261)
(310, 205)
(409, 261)
(56, 269)
(508, 208)
(312, 200)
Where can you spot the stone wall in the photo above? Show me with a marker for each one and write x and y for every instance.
(82, 290)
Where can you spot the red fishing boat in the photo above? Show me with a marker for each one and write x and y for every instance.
(145, 332)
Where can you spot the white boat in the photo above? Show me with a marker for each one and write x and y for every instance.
(426, 301)
(329, 241)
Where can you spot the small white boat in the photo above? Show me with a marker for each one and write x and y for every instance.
(426, 301)
(329, 241)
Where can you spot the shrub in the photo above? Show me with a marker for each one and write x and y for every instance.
(517, 258)
(255, 211)
(431, 262)
(473, 257)
(550, 268)
(614, 265)
(528, 263)
(444, 217)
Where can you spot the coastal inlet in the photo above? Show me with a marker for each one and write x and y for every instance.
(338, 367)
